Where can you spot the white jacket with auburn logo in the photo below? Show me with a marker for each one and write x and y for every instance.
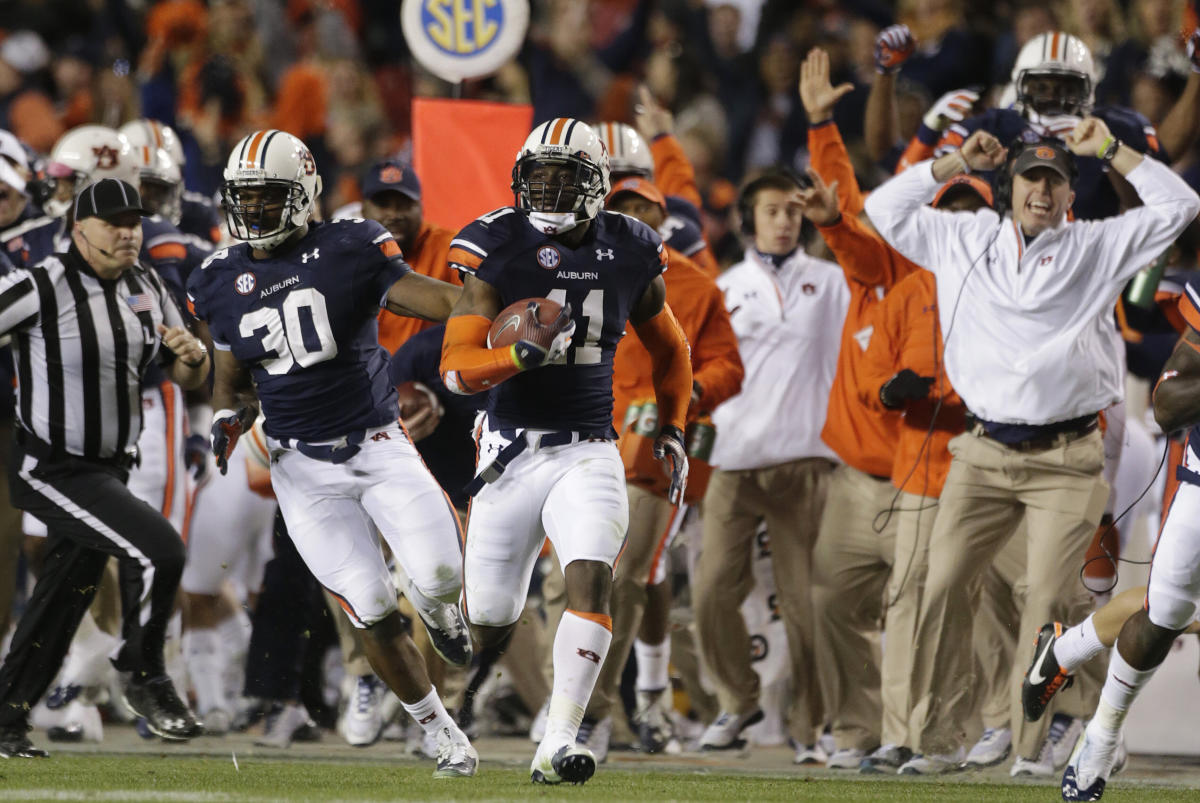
(788, 323)
(1028, 324)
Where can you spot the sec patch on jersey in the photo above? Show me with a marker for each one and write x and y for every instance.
(529, 319)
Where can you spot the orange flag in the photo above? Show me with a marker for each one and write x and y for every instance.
(464, 150)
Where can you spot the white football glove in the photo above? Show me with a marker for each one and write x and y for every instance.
(669, 447)
(952, 107)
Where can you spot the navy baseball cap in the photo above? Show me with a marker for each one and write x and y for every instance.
(1056, 158)
(391, 175)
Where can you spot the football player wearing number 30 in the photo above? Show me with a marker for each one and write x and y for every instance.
(548, 419)
(292, 315)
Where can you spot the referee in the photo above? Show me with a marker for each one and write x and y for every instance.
(85, 325)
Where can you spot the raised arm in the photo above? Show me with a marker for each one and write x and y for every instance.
(829, 156)
(881, 128)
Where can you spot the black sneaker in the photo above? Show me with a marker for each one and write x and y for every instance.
(1044, 677)
(448, 633)
(14, 742)
(157, 701)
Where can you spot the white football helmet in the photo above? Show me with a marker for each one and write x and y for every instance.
(149, 132)
(85, 154)
(161, 182)
(628, 153)
(561, 141)
(271, 185)
(1067, 60)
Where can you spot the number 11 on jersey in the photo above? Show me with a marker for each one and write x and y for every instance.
(589, 319)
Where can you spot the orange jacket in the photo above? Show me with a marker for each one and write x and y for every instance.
(426, 256)
(862, 437)
(673, 175)
(699, 306)
(908, 335)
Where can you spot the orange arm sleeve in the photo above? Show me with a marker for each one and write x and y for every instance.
(468, 365)
(863, 254)
(663, 337)
(716, 364)
(832, 163)
(673, 173)
(917, 151)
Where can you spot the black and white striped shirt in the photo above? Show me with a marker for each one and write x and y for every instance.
(81, 345)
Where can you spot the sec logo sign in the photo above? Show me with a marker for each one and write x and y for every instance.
(457, 39)
(244, 284)
(548, 257)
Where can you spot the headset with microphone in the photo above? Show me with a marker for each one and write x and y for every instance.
(1003, 178)
(768, 179)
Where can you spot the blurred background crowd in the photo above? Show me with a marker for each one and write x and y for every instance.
(338, 74)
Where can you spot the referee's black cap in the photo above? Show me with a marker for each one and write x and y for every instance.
(108, 198)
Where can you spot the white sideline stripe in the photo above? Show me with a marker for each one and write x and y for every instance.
(58, 498)
(146, 794)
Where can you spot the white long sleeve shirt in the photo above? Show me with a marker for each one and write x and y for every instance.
(788, 323)
(1028, 330)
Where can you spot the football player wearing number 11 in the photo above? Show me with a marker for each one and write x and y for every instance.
(548, 463)
(291, 312)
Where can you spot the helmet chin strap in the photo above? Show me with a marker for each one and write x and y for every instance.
(552, 222)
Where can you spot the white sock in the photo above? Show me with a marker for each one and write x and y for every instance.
(1078, 644)
(234, 633)
(205, 656)
(1120, 688)
(87, 662)
(580, 646)
(653, 662)
(430, 713)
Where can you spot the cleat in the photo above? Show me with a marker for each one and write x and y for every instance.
(285, 724)
(1088, 767)
(570, 763)
(932, 764)
(848, 758)
(156, 701)
(448, 633)
(888, 758)
(216, 722)
(14, 742)
(456, 758)
(362, 723)
(993, 747)
(726, 729)
(655, 729)
(1044, 677)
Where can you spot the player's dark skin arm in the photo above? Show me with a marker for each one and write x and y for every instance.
(232, 385)
(1177, 396)
(477, 298)
(419, 296)
(651, 302)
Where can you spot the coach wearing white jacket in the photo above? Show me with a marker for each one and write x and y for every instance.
(1026, 302)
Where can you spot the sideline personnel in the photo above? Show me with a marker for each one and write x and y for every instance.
(1025, 297)
(86, 325)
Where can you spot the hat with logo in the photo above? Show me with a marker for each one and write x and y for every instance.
(965, 181)
(1044, 155)
(638, 186)
(394, 176)
(108, 198)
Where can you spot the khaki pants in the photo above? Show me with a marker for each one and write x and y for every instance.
(788, 498)
(649, 518)
(1060, 495)
(851, 565)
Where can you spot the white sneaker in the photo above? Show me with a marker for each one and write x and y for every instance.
(1089, 766)
(537, 729)
(993, 747)
(216, 721)
(281, 726)
(1032, 768)
(80, 723)
(595, 736)
(363, 721)
(554, 764)
(456, 758)
(886, 758)
(809, 754)
(848, 758)
(1064, 732)
(932, 763)
(725, 731)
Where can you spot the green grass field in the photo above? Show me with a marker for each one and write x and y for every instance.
(183, 779)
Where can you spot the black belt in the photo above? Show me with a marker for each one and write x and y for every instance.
(1033, 437)
(519, 443)
(335, 453)
(45, 453)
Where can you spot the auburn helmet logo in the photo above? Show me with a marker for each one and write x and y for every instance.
(310, 165)
(588, 654)
(1045, 153)
(106, 157)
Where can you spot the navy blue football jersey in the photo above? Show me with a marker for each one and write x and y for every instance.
(29, 243)
(1095, 197)
(200, 217)
(602, 280)
(303, 321)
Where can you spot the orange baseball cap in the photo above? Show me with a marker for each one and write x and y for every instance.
(638, 186)
(973, 182)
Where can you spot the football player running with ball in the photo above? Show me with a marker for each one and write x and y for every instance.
(548, 463)
(292, 314)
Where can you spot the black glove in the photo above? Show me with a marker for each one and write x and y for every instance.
(227, 427)
(195, 456)
(903, 387)
(670, 447)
